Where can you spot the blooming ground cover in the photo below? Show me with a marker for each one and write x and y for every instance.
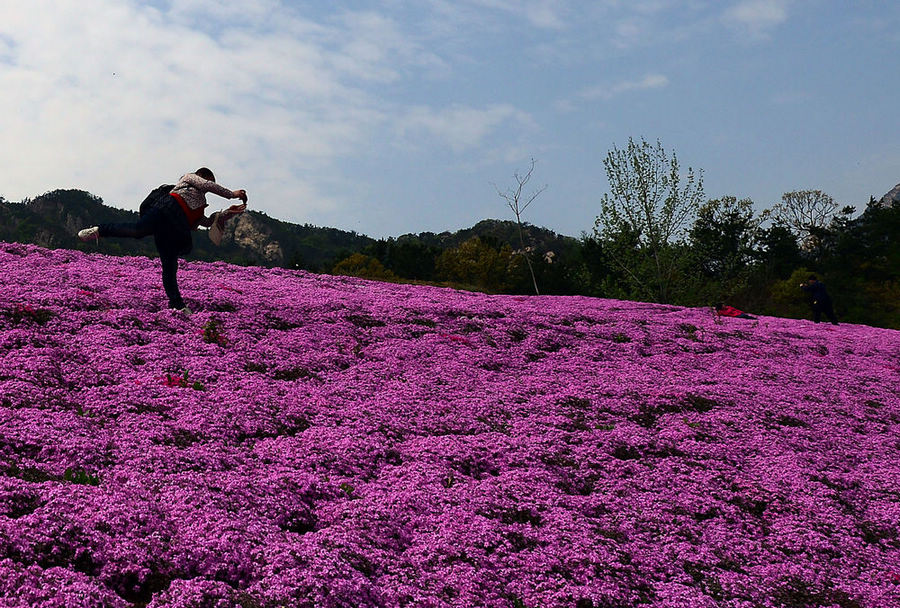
(304, 440)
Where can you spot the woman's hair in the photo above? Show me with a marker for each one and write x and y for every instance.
(205, 174)
(719, 306)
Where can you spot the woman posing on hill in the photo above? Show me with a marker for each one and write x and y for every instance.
(170, 213)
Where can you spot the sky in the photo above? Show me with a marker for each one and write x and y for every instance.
(389, 117)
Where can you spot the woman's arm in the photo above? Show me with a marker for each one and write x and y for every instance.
(208, 221)
(204, 185)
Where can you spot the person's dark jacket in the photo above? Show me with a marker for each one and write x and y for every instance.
(819, 295)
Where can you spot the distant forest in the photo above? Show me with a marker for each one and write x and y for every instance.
(727, 255)
(721, 250)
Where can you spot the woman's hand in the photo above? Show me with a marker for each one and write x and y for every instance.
(208, 221)
(241, 194)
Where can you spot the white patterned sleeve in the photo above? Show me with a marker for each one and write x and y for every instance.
(204, 185)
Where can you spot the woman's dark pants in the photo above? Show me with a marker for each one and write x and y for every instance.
(172, 235)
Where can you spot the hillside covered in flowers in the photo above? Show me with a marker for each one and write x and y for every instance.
(305, 440)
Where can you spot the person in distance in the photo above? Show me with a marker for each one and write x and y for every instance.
(730, 311)
(819, 299)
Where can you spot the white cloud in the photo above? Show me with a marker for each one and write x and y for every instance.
(309, 104)
(460, 127)
(550, 14)
(631, 24)
(114, 97)
(632, 31)
(757, 17)
(494, 14)
(546, 14)
(648, 82)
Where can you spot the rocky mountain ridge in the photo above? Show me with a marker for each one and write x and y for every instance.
(53, 219)
(891, 198)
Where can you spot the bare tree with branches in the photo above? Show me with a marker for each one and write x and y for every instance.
(518, 201)
(805, 212)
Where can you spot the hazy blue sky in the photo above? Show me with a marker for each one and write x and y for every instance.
(388, 117)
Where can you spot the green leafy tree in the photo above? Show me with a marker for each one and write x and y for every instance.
(778, 253)
(862, 259)
(409, 258)
(787, 299)
(723, 243)
(646, 214)
(360, 265)
(724, 237)
(476, 264)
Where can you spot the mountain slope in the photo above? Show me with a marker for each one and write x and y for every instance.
(305, 440)
(53, 219)
(500, 231)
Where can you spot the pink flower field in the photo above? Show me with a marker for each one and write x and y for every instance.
(305, 440)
